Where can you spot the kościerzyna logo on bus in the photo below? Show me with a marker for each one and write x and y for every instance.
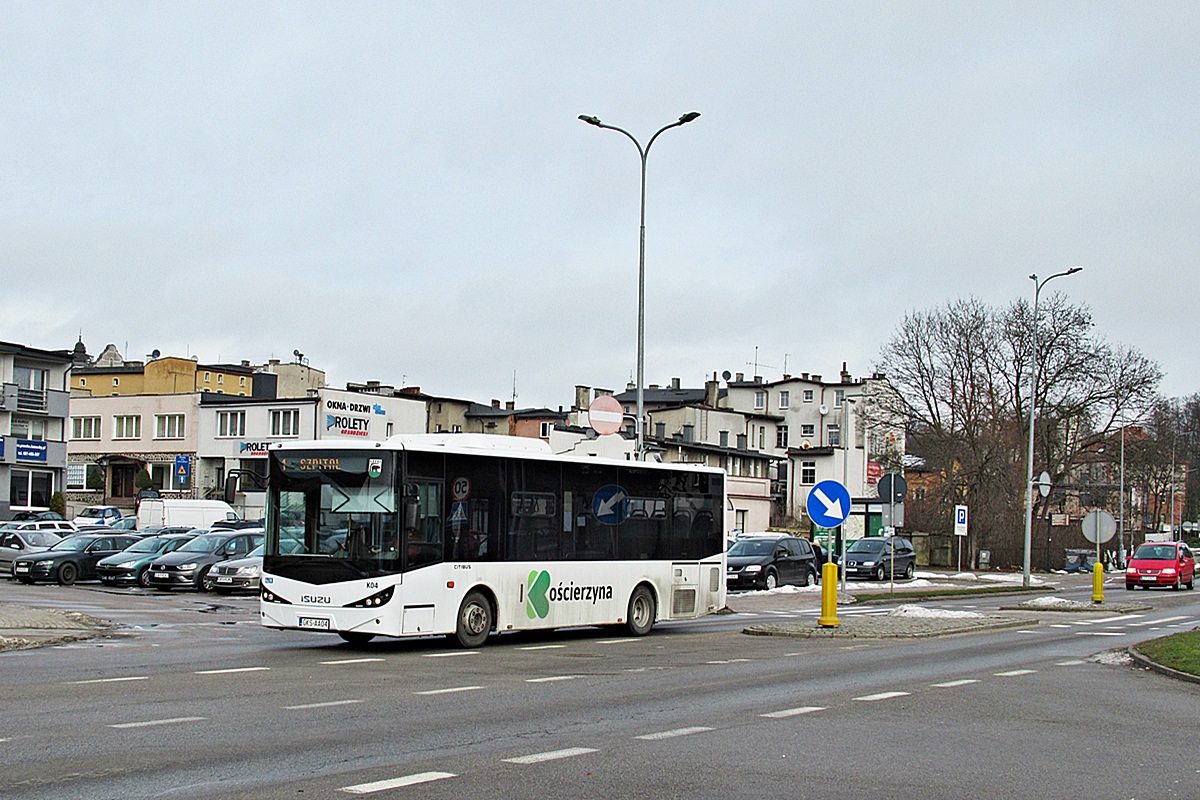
(539, 594)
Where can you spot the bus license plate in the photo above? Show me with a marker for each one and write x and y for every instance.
(318, 623)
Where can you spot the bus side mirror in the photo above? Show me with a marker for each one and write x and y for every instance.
(231, 482)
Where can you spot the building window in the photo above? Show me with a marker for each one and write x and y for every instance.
(546, 427)
(388, 432)
(127, 427)
(168, 426)
(760, 400)
(724, 438)
(76, 477)
(437, 427)
(33, 429)
(808, 430)
(834, 432)
(808, 395)
(808, 472)
(83, 381)
(839, 397)
(781, 436)
(220, 378)
(85, 428)
(29, 489)
(231, 423)
(456, 428)
(784, 399)
(242, 380)
(207, 377)
(285, 422)
(116, 381)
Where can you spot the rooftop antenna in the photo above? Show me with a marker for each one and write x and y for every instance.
(785, 358)
(755, 363)
(514, 387)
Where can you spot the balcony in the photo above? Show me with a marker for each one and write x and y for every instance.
(31, 399)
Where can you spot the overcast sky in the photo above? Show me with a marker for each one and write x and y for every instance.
(403, 191)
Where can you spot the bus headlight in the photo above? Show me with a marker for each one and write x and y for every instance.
(374, 601)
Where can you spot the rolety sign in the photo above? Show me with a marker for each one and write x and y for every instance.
(339, 419)
(251, 449)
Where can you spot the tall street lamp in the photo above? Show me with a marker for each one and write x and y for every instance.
(641, 333)
(1032, 409)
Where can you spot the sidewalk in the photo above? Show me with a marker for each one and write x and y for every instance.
(23, 627)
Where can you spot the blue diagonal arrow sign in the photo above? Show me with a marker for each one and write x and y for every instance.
(828, 504)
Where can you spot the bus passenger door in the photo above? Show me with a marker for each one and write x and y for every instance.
(423, 531)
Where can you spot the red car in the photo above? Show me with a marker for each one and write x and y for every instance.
(1161, 564)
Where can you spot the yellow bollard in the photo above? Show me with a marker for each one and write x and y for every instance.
(829, 581)
(1097, 582)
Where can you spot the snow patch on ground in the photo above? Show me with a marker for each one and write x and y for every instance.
(932, 613)
(1114, 658)
(1052, 603)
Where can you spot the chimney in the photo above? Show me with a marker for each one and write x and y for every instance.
(758, 379)
(803, 376)
(816, 378)
(581, 397)
(245, 363)
(495, 403)
(712, 392)
(739, 377)
(511, 405)
(675, 384)
(598, 392)
(845, 374)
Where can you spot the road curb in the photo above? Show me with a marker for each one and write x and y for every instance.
(1142, 661)
(886, 628)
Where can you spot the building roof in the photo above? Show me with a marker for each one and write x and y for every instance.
(32, 352)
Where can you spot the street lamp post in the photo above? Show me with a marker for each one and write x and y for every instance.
(1032, 409)
(641, 333)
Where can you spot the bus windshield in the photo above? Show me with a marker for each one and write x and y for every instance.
(335, 505)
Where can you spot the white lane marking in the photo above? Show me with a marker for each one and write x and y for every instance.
(552, 679)
(627, 640)
(153, 722)
(653, 737)
(452, 654)
(1060, 625)
(792, 712)
(231, 671)
(329, 704)
(397, 783)
(537, 758)
(1072, 663)
(952, 684)
(543, 647)
(869, 698)
(1098, 633)
(730, 661)
(1157, 621)
(1026, 631)
(1014, 672)
(353, 661)
(1083, 622)
(1121, 618)
(451, 690)
(113, 680)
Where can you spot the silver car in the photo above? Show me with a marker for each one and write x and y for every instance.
(21, 538)
(238, 574)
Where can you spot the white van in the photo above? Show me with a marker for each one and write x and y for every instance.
(161, 513)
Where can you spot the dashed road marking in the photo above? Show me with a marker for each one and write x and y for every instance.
(1156, 621)
(397, 783)
(231, 671)
(552, 679)
(329, 704)
(1098, 633)
(353, 661)
(112, 680)
(153, 722)
(870, 698)
(543, 647)
(452, 654)
(1014, 672)
(1071, 663)
(952, 684)
(553, 755)
(652, 737)
(451, 690)
(792, 712)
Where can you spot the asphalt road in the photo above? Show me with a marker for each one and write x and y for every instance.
(199, 701)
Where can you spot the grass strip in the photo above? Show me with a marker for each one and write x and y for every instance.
(1179, 651)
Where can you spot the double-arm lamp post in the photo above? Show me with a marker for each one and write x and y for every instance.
(1032, 414)
(641, 332)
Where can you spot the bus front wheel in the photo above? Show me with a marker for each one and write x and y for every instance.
(642, 612)
(475, 619)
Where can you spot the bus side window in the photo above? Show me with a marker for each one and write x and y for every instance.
(423, 529)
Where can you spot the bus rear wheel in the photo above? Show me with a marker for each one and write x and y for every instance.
(642, 611)
(475, 619)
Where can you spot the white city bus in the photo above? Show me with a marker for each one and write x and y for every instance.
(469, 534)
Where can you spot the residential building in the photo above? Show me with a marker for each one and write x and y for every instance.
(34, 392)
(111, 375)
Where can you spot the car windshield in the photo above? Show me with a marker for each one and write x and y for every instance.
(203, 544)
(257, 552)
(866, 546)
(752, 547)
(92, 511)
(1156, 552)
(73, 544)
(154, 544)
(42, 538)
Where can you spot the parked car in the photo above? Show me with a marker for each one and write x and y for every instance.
(24, 516)
(191, 565)
(60, 526)
(71, 559)
(1161, 564)
(769, 560)
(239, 574)
(98, 515)
(872, 557)
(125, 524)
(17, 541)
(132, 565)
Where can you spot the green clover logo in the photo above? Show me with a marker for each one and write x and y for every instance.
(536, 603)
